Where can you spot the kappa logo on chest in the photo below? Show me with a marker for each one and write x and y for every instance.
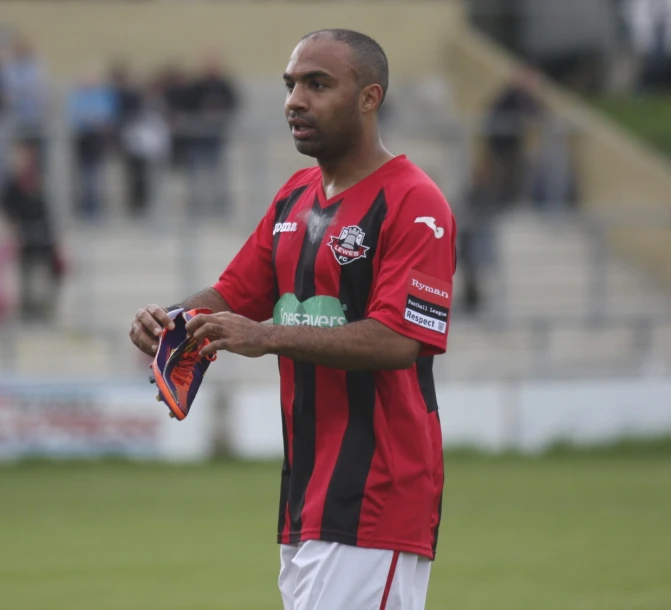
(348, 246)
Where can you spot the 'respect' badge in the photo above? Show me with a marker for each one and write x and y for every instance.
(428, 302)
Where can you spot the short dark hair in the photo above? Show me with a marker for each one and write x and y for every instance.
(371, 60)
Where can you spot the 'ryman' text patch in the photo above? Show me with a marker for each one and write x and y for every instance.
(428, 302)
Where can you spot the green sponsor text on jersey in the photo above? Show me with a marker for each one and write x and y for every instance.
(321, 311)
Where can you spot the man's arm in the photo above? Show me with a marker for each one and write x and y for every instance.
(360, 346)
(208, 298)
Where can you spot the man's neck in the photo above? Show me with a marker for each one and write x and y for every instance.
(341, 174)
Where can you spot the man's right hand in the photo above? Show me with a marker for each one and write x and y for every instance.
(147, 326)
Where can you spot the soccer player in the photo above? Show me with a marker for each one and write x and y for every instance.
(353, 262)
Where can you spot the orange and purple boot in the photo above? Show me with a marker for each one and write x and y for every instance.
(178, 368)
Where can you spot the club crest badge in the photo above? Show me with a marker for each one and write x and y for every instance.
(348, 246)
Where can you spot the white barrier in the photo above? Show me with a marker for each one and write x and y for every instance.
(528, 416)
(588, 412)
(85, 419)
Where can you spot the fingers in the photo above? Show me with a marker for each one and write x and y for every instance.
(212, 347)
(214, 328)
(142, 339)
(148, 326)
(215, 323)
(148, 323)
(211, 331)
(196, 322)
(161, 316)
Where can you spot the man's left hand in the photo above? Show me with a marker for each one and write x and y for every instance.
(230, 332)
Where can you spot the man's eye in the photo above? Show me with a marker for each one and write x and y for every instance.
(289, 86)
(317, 85)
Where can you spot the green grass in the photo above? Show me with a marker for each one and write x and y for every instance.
(568, 531)
(649, 117)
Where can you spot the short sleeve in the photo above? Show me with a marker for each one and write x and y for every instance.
(247, 282)
(412, 293)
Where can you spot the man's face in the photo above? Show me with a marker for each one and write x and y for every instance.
(322, 104)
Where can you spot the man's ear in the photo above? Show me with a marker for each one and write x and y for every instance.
(371, 98)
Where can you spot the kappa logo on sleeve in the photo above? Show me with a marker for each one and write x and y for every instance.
(428, 302)
(430, 222)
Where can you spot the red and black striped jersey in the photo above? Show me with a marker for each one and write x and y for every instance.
(363, 461)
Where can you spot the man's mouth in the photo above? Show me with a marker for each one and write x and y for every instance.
(301, 129)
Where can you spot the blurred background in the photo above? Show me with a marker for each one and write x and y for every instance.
(141, 142)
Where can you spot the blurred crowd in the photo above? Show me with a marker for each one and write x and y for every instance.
(174, 118)
(181, 119)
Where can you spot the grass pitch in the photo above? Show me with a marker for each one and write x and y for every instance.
(569, 531)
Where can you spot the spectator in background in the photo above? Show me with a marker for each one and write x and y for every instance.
(128, 96)
(3, 88)
(553, 179)
(213, 101)
(175, 89)
(6, 255)
(128, 105)
(476, 244)
(25, 88)
(4, 119)
(146, 146)
(24, 203)
(506, 130)
(651, 37)
(91, 110)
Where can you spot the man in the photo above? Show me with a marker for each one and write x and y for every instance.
(25, 85)
(354, 263)
(91, 109)
(23, 201)
(212, 100)
(650, 27)
(129, 103)
(511, 114)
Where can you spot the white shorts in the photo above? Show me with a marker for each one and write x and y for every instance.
(317, 575)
